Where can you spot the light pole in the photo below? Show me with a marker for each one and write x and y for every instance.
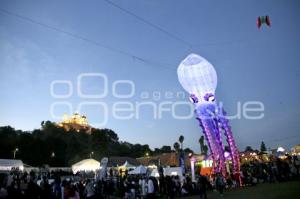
(192, 161)
(15, 151)
(52, 158)
(92, 153)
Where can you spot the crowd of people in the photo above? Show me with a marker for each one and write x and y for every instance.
(64, 185)
(277, 170)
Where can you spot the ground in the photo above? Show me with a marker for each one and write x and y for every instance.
(286, 190)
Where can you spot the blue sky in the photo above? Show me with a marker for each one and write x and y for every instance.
(252, 64)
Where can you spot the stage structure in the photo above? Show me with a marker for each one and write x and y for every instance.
(199, 78)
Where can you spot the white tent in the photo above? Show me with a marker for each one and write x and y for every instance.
(8, 164)
(139, 170)
(173, 171)
(86, 165)
(127, 165)
(154, 173)
(168, 171)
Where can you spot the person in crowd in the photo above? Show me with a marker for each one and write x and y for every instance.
(184, 189)
(45, 188)
(150, 188)
(296, 163)
(127, 188)
(33, 190)
(111, 189)
(132, 189)
(89, 191)
(203, 184)
(162, 182)
(170, 187)
(13, 191)
(73, 193)
(121, 187)
(3, 193)
(56, 188)
(67, 190)
(66, 185)
(142, 185)
(177, 184)
(220, 183)
(80, 189)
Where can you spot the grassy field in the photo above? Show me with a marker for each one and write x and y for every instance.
(286, 190)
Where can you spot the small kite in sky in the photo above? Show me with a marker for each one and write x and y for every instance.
(263, 20)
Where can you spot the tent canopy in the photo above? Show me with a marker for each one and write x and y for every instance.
(169, 171)
(86, 165)
(173, 171)
(127, 165)
(139, 170)
(8, 164)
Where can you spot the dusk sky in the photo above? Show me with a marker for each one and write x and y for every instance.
(144, 41)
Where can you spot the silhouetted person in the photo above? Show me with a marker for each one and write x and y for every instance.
(220, 184)
(203, 184)
(13, 191)
(33, 190)
(170, 187)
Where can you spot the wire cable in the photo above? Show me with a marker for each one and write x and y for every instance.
(77, 36)
(149, 23)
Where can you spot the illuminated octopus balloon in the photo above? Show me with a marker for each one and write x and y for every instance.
(199, 78)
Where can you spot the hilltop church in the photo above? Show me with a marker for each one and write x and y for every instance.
(75, 121)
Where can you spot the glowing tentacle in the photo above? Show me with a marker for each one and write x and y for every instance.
(231, 143)
(206, 116)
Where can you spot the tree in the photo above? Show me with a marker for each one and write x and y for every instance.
(176, 146)
(205, 149)
(181, 139)
(263, 147)
(201, 142)
(203, 146)
(188, 150)
(68, 147)
(166, 149)
(42, 123)
(248, 148)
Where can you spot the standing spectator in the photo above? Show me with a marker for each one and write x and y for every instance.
(111, 188)
(89, 190)
(142, 184)
(203, 184)
(162, 183)
(3, 193)
(45, 188)
(150, 188)
(170, 187)
(33, 190)
(73, 194)
(13, 191)
(296, 162)
(220, 184)
(56, 188)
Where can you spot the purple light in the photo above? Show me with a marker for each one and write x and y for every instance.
(198, 77)
(226, 154)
